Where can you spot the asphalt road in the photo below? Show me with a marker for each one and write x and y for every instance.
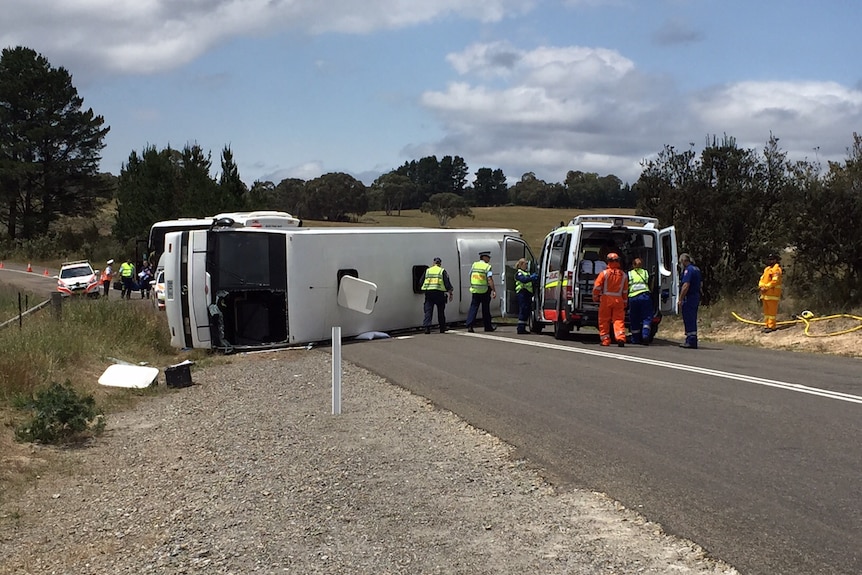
(753, 454)
(35, 282)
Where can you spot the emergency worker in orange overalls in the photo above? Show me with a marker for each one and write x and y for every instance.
(770, 291)
(611, 290)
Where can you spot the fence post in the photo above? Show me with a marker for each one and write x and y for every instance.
(57, 305)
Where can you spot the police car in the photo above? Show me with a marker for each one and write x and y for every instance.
(78, 278)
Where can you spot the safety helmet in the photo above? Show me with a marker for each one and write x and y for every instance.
(613, 257)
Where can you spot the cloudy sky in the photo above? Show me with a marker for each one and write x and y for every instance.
(298, 88)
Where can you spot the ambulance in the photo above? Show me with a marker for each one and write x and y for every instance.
(574, 254)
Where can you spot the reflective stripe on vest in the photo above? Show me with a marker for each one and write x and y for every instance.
(613, 272)
(479, 277)
(519, 284)
(433, 279)
(638, 282)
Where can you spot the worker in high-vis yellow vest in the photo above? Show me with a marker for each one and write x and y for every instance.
(640, 303)
(436, 285)
(770, 291)
(482, 291)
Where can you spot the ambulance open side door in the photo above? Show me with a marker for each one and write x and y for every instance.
(513, 250)
(668, 283)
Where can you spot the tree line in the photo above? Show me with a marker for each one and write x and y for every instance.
(730, 206)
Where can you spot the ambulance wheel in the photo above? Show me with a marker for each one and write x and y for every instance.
(535, 326)
(561, 330)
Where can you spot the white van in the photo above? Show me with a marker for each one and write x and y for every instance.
(574, 254)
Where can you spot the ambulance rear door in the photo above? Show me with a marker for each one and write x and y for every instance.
(668, 283)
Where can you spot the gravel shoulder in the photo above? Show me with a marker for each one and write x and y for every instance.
(248, 471)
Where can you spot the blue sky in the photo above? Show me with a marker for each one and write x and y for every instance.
(298, 88)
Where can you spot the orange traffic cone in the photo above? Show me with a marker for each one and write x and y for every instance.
(29, 268)
(1, 265)
(46, 274)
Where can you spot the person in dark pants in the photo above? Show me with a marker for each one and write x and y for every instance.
(689, 299)
(524, 290)
(436, 285)
(127, 275)
(482, 290)
(107, 276)
(640, 303)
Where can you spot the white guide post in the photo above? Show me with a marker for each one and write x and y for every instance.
(336, 370)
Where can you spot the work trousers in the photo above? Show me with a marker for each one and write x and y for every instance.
(612, 310)
(640, 317)
(689, 320)
(483, 300)
(435, 298)
(525, 306)
(770, 310)
(128, 287)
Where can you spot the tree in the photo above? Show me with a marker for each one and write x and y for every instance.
(147, 191)
(261, 195)
(446, 207)
(390, 191)
(335, 195)
(828, 239)
(49, 146)
(201, 195)
(452, 175)
(527, 190)
(489, 188)
(289, 196)
(232, 187)
(724, 205)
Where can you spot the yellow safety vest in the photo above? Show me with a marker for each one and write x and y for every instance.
(433, 279)
(479, 277)
(519, 285)
(638, 282)
(126, 270)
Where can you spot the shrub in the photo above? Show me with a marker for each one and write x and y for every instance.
(60, 415)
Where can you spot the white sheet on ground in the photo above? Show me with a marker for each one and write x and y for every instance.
(133, 376)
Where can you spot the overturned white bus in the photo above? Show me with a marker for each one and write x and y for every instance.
(245, 288)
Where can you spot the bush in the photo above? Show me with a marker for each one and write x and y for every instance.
(60, 415)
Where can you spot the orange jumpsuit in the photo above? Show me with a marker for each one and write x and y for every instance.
(770, 293)
(611, 290)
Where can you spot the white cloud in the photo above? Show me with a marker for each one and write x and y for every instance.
(550, 110)
(135, 36)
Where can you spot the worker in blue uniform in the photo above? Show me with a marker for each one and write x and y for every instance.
(689, 299)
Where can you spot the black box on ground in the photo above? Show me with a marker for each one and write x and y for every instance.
(179, 375)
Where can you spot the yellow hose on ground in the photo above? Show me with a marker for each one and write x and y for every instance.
(808, 318)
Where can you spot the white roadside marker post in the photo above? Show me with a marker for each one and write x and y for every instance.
(336, 370)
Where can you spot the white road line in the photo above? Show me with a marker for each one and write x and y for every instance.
(797, 387)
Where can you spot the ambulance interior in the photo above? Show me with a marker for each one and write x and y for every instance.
(628, 243)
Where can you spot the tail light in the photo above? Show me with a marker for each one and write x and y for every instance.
(569, 285)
